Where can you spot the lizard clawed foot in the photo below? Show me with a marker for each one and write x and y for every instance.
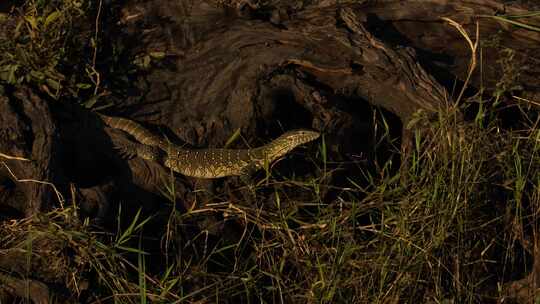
(142, 151)
(126, 152)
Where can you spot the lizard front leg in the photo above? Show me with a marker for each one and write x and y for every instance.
(131, 150)
(246, 176)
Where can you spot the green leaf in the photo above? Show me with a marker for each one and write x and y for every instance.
(83, 86)
(53, 84)
(104, 106)
(233, 138)
(51, 18)
(157, 55)
(90, 102)
(518, 24)
(17, 31)
(37, 75)
(133, 250)
(32, 21)
(146, 62)
(7, 73)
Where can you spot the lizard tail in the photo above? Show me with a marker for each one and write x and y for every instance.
(134, 129)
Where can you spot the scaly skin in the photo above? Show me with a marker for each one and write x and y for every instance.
(209, 163)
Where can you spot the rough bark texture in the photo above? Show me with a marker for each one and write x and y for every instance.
(27, 130)
(225, 78)
(421, 28)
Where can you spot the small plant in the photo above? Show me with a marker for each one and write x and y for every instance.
(38, 42)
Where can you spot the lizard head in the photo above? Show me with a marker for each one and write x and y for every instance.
(298, 137)
(288, 141)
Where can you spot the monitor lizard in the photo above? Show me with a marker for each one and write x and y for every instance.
(206, 163)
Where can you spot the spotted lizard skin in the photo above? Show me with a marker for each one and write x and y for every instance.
(209, 163)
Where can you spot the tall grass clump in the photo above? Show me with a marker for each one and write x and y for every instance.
(440, 229)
